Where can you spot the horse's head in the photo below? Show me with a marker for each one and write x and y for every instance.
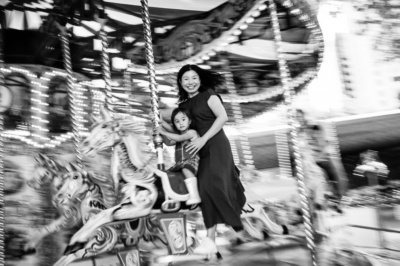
(103, 135)
(108, 132)
(75, 184)
(46, 171)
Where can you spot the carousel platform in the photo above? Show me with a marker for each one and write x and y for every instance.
(283, 251)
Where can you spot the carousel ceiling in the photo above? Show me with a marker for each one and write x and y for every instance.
(231, 36)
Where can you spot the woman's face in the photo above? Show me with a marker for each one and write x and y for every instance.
(191, 83)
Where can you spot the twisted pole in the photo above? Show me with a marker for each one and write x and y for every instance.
(105, 64)
(2, 205)
(288, 96)
(151, 72)
(71, 93)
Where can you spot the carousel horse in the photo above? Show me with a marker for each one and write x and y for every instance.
(93, 193)
(84, 194)
(131, 166)
(47, 172)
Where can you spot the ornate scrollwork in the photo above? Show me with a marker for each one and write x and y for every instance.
(183, 41)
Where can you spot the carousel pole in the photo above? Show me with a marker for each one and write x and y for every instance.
(71, 92)
(153, 84)
(288, 95)
(238, 116)
(105, 62)
(2, 205)
(282, 149)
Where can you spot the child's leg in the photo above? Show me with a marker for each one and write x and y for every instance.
(191, 185)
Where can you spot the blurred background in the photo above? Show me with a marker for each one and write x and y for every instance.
(343, 58)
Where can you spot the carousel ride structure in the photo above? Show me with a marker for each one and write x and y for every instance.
(141, 204)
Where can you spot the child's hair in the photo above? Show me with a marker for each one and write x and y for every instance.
(177, 111)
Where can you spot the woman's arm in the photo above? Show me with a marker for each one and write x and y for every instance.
(190, 134)
(218, 109)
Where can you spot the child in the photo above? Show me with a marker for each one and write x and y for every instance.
(184, 161)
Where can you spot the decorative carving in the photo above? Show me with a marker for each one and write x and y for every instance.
(185, 40)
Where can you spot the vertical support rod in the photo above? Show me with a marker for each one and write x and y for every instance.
(2, 205)
(71, 94)
(283, 152)
(151, 72)
(105, 67)
(288, 95)
(238, 116)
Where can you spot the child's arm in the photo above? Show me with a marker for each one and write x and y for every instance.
(190, 134)
(167, 126)
(167, 141)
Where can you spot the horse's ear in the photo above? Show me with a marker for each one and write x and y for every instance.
(74, 167)
(105, 114)
(62, 168)
(95, 118)
(40, 159)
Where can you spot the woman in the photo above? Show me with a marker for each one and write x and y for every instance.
(221, 191)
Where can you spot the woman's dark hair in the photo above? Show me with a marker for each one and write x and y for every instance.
(208, 80)
(177, 111)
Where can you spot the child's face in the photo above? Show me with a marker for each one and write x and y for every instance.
(181, 121)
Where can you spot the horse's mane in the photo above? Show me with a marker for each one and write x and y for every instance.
(137, 129)
(140, 130)
(106, 187)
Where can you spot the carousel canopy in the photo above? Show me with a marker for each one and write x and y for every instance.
(233, 35)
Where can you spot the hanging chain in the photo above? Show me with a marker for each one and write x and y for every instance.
(288, 95)
(72, 97)
(2, 205)
(151, 72)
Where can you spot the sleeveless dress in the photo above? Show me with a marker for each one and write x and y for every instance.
(221, 191)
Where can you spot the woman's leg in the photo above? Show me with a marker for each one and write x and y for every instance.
(211, 232)
(208, 245)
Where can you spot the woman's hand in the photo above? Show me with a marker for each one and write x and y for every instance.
(195, 145)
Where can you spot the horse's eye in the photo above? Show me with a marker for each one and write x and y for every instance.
(104, 126)
(75, 176)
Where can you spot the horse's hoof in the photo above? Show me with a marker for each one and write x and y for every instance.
(73, 248)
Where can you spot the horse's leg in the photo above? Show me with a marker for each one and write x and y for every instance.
(66, 260)
(101, 218)
(259, 213)
(36, 235)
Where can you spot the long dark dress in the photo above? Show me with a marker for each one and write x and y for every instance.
(220, 189)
